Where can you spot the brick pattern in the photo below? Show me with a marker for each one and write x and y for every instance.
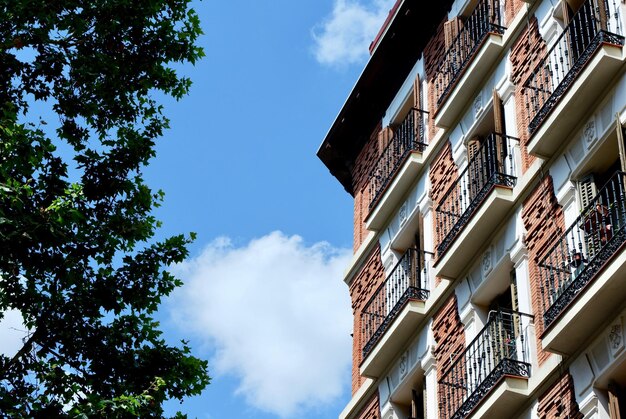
(449, 334)
(528, 49)
(559, 400)
(371, 410)
(362, 288)
(360, 184)
(543, 220)
(443, 173)
(433, 54)
(511, 8)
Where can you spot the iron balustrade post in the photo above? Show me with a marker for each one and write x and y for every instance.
(565, 60)
(408, 136)
(499, 350)
(576, 257)
(472, 186)
(408, 280)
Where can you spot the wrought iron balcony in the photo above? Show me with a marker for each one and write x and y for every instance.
(556, 72)
(499, 351)
(409, 136)
(587, 245)
(408, 281)
(493, 165)
(484, 19)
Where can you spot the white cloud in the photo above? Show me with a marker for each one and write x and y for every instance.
(344, 37)
(12, 330)
(278, 316)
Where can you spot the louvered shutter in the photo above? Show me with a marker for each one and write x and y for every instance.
(498, 118)
(587, 190)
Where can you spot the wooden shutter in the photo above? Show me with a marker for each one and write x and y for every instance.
(451, 30)
(620, 143)
(614, 410)
(587, 190)
(500, 128)
(417, 93)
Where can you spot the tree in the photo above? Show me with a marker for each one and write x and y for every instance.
(78, 257)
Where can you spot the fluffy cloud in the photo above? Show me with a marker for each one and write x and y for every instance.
(278, 316)
(344, 37)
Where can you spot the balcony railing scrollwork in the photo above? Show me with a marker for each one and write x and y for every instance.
(588, 29)
(585, 247)
(409, 136)
(500, 350)
(407, 281)
(484, 19)
(493, 164)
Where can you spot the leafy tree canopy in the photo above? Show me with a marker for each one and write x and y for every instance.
(78, 257)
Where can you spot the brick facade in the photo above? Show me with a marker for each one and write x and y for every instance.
(449, 334)
(371, 410)
(433, 54)
(525, 54)
(559, 400)
(511, 8)
(362, 288)
(443, 173)
(543, 220)
(360, 180)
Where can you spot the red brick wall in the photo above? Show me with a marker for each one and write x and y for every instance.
(433, 54)
(528, 49)
(362, 287)
(449, 334)
(511, 8)
(543, 220)
(360, 181)
(371, 410)
(443, 173)
(559, 400)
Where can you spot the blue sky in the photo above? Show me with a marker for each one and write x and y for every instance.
(263, 299)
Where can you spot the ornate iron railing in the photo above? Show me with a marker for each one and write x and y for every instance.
(493, 164)
(499, 350)
(409, 280)
(409, 136)
(484, 19)
(581, 38)
(578, 255)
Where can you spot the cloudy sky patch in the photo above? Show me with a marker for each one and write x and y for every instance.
(345, 35)
(278, 315)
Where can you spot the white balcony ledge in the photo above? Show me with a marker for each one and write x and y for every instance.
(589, 310)
(470, 81)
(480, 228)
(574, 105)
(479, 68)
(475, 233)
(403, 328)
(397, 189)
(508, 396)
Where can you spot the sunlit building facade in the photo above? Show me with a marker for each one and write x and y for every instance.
(483, 145)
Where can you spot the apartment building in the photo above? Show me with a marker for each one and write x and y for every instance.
(483, 144)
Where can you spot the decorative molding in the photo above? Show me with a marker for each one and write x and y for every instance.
(487, 262)
(616, 337)
(589, 132)
(402, 214)
(477, 106)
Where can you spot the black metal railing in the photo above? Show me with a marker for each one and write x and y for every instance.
(408, 281)
(581, 38)
(499, 350)
(579, 254)
(493, 164)
(409, 136)
(483, 20)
